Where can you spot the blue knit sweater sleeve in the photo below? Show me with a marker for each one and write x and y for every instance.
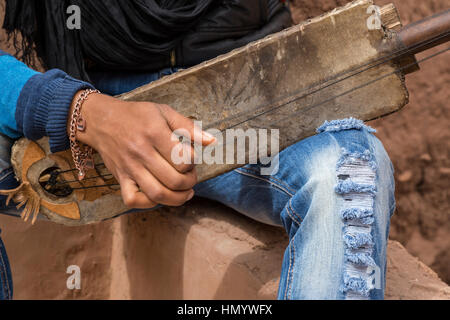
(34, 104)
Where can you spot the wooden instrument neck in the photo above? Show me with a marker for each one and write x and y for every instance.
(427, 33)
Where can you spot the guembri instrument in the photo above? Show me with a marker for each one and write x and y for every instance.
(338, 65)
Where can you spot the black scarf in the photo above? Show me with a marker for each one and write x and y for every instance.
(114, 33)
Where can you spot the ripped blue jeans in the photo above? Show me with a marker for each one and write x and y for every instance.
(334, 196)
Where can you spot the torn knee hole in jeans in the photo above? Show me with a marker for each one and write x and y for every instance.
(356, 173)
(344, 124)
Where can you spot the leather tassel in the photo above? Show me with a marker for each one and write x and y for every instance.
(25, 197)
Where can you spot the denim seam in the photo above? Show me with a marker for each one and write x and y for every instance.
(288, 293)
(392, 209)
(6, 276)
(292, 216)
(265, 180)
(293, 211)
(282, 183)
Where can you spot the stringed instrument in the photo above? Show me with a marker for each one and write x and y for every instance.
(335, 66)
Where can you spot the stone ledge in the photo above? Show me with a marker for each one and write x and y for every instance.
(200, 251)
(207, 251)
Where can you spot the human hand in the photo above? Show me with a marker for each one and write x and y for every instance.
(135, 142)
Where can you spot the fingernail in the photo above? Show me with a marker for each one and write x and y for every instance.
(208, 137)
(191, 195)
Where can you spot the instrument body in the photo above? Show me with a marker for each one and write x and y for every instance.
(294, 72)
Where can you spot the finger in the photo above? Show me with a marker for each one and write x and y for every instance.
(158, 193)
(169, 176)
(180, 155)
(178, 122)
(132, 197)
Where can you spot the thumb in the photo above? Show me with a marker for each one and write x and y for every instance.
(178, 122)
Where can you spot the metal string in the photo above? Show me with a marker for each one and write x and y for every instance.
(379, 61)
(383, 60)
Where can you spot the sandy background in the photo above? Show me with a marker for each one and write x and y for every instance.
(417, 139)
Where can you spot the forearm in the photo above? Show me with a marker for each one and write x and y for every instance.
(34, 104)
(13, 77)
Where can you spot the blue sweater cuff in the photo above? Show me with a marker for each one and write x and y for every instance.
(43, 106)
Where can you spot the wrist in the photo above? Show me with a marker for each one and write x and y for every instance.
(86, 136)
(82, 153)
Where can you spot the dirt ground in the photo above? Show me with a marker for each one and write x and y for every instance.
(417, 139)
